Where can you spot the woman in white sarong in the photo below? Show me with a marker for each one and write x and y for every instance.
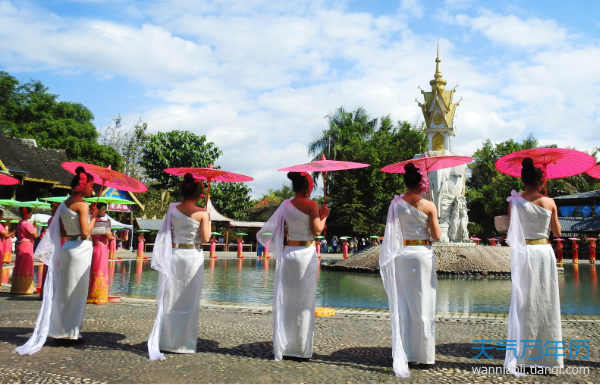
(534, 312)
(67, 281)
(295, 283)
(407, 267)
(179, 259)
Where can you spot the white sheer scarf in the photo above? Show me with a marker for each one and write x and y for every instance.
(48, 251)
(162, 257)
(392, 246)
(515, 238)
(272, 234)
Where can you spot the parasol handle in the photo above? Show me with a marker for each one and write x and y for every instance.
(99, 195)
(207, 194)
(324, 187)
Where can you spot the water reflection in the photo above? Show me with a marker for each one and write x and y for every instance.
(251, 282)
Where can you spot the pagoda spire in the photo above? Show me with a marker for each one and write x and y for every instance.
(438, 82)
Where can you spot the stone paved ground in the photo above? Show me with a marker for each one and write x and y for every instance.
(234, 346)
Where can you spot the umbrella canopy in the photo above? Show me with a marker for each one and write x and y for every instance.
(111, 200)
(216, 233)
(558, 162)
(476, 239)
(209, 174)
(8, 180)
(429, 163)
(14, 221)
(241, 234)
(594, 172)
(319, 237)
(106, 177)
(138, 231)
(591, 239)
(558, 239)
(56, 199)
(374, 236)
(572, 239)
(14, 203)
(117, 227)
(37, 204)
(323, 165)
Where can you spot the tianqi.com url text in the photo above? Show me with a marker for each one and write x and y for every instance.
(572, 370)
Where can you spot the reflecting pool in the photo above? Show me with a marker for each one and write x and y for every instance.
(250, 281)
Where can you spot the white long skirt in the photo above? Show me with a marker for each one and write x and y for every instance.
(179, 332)
(416, 284)
(71, 284)
(539, 317)
(299, 271)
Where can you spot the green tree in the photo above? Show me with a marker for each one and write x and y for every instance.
(29, 111)
(129, 145)
(231, 199)
(285, 192)
(176, 149)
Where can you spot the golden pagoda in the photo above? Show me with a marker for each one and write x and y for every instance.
(438, 111)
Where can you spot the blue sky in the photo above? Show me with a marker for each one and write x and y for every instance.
(257, 77)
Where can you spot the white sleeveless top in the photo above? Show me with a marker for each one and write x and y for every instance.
(413, 222)
(184, 228)
(298, 225)
(70, 221)
(535, 219)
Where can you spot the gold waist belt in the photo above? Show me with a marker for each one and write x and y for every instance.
(77, 238)
(417, 242)
(543, 241)
(187, 245)
(300, 243)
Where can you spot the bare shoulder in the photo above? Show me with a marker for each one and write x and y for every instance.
(547, 202)
(200, 214)
(426, 205)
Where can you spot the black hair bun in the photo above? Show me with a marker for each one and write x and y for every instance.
(188, 177)
(412, 177)
(527, 162)
(297, 180)
(409, 167)
(79, 170)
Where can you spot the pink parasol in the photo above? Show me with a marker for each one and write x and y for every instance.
(430, 163)
(590, 239)
(323, 165)
(105, 176)
(557, 162)
(8, 180)
(594, 172)
(209, 174)
(558, 239)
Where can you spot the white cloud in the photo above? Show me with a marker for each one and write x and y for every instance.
(511, 31)
(414, 7)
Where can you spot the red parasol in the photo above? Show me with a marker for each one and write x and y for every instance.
(557, 162)
(323, 165)
(209, 174)
(7, 180)
(106, 177)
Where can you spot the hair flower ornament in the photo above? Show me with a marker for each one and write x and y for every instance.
(542, 172)
(309, 185)
(424, 179)
(82, 182)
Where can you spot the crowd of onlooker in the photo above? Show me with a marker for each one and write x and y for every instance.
(335, 245)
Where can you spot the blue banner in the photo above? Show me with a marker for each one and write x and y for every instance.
(567, 211)
(114, 193)
(585, 210)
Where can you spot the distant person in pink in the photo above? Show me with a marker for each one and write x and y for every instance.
(22, 277)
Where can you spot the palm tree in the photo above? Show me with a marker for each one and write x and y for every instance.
(342, 126)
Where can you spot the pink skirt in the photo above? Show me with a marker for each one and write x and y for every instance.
(99, 279)
(22, 277)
